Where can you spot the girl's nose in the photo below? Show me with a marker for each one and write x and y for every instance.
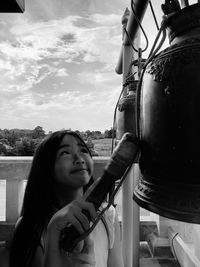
(78, 159)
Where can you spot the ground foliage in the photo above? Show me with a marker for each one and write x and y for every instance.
(23, 142)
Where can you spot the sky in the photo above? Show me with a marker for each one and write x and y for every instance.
(57, 63)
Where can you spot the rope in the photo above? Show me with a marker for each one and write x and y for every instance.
(153, 49)
(114, 119)
(142, 29)
(129, 38)
(153, 13)
(152, 53)
(110, 202)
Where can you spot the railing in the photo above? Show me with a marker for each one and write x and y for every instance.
(14, 171)
(184, 253)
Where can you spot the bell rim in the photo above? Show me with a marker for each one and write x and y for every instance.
(182, 216)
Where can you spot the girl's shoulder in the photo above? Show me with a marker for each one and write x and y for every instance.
(18, 222)
(111, 213)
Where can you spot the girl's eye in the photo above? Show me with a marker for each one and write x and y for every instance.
(84, 150)
(65, 153)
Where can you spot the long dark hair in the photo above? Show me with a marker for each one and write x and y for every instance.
(39, 200)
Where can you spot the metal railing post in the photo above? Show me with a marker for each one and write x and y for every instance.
(130, 210)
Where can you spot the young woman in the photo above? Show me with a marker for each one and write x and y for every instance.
(61, 171)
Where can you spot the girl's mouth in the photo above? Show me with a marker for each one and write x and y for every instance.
(79, 170)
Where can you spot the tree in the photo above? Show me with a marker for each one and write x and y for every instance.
(2, 149)
(12, 137)
(1, 134)
(97, 135)
(38, 133)
(26, 147)
(110, 133)
(88, 133)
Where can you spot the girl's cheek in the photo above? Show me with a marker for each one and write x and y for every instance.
(92, 167)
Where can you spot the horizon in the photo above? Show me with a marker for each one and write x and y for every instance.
(28, 129)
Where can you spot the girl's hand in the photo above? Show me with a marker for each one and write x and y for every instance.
(72, 214)
(84, 257)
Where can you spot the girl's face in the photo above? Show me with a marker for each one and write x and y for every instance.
(73, 165)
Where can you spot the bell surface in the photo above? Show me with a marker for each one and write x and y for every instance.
(126, 111)
(169, 124)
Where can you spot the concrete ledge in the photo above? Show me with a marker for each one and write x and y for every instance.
(159, 246)
(17, 168)
(144, 250)
(181, 250)
(158, 263)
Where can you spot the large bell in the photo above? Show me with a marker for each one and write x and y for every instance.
(126, 116)
(169, 123)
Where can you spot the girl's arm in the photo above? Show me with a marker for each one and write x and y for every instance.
(54, 256)
(115, 258)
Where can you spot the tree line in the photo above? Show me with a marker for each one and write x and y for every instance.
(23, 142)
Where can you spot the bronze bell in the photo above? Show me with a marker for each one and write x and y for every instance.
(169, 123)
(126, 107)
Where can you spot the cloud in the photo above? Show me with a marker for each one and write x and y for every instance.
(59, 68)
(62, 73)
(97, 77)
(68, 109)
(106, 20)
(35, 41)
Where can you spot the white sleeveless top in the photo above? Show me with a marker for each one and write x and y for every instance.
(103, 237)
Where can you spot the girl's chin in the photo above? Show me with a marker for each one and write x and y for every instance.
(76, 181)
(83, 180)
